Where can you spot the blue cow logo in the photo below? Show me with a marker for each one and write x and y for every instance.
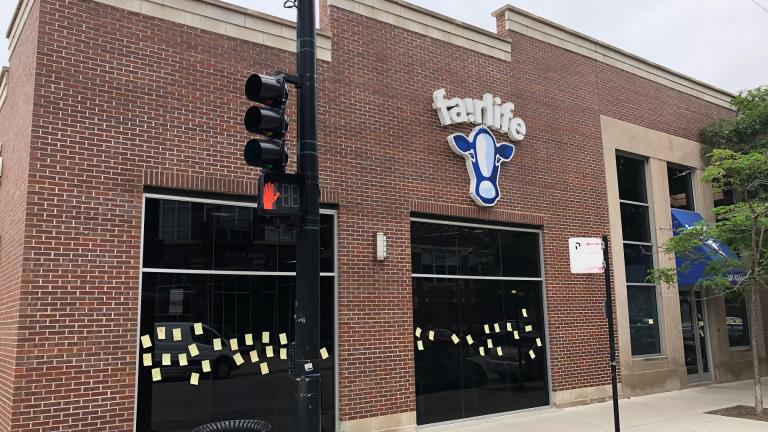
(484, 157)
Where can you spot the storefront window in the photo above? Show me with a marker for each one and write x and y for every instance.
(214, 276)
(638, 256)
(483, 283)
(737, 322)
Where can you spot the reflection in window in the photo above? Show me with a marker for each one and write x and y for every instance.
(643, 320)
(680, 187)
(737, 322)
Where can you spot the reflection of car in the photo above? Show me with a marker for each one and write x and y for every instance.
(735, 327)
(221, 361)
(510, 362)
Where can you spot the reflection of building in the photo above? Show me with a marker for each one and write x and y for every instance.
(126, 204)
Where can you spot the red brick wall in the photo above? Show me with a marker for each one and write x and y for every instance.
(121, 97)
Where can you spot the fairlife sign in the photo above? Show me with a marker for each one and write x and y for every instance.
(482, 154)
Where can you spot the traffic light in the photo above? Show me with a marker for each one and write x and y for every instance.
(268, 120)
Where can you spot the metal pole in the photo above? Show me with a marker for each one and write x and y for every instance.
(307, 307)
(612, 339)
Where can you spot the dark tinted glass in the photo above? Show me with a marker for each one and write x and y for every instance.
(680, 187)
(631, 173)
(229, 307)
(643, 320)
(243, 240)
(520, 254)
(638, 260)
(635, 225)
(723, 197)
(737, 321)
(177, 234)
(479, 251)
(434, 248)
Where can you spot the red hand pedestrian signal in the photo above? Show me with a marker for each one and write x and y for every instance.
(270, 196)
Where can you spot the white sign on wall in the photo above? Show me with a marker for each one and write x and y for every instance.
(586, 255)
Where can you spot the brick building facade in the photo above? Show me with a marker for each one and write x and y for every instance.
(112, 104)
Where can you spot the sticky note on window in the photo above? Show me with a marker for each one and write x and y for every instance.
(509, 326)
(265, 337)
(233, 344)
(283, 339)
(538, 341)
(283, 353)
(160, 333)
(270, 351)
(156, 375)
(198, 328)
(529, 328)
(264, 368)
(177, 334)
(194, 379)
(146, 341)
(418, 332)
(254, 356)
(532, 354)
(249, 339)
(206, 364)
(183, 359)
(490, 343)
(431, 335)
(496, 328)
(650, 321)
(455, 338)
(238, 359)
(482, 351)
(487, 328)
(324, 353)
(516, 334)
(146, 359)
(420, 345)
(470, 341)
(166, 359)
(193, 351)
(217, 344)
(498, 351)
(525, 313)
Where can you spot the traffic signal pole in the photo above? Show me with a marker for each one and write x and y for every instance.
(307, 306)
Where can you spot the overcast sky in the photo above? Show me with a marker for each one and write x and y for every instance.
(721, 42)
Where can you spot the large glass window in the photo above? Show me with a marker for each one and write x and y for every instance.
(638, 256)
(737, 322)
(485, 284)
(216, 275)
(680, 187)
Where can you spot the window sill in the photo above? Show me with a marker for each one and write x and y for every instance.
(657, 357)
(740, 349)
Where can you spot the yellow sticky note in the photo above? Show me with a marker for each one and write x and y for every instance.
(532, 354)
(650, 321)
(420, 345)
(160, 333)
(323, 353)
(146, 341)
(482, 351)
(233, 344)
(270, 351)
(264, 368)
(470, 340)
(431, 335)
(490, 343)
(193, 351)
(498, 351)
(517, 334)
(249, 339)
(529, 328)
(455, 339)
(283, 339)
(217, 344)
(283, 353)
(254, 356)
(177, 334)
(194, 379)
(418, 332)
(238, 359)
(487, 328)
(166, 359)
(146, 359)
(198, 328)
(265, 337)
(525, 313)
(156, 375)
(206, 364)
(509, 326)
(183, 359)
(538, 341)
(496, 327)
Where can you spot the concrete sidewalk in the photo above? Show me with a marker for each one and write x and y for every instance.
(678, 411)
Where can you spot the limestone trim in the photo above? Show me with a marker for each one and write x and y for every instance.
(18, 20)
(531, 25)
(414, 18)
(4, 72)
(227, 19)
(402, 422)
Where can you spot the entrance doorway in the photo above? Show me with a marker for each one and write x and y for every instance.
(695, 336)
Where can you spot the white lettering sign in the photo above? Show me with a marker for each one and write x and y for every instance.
(488, 111)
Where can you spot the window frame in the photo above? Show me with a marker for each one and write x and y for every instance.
(748, 321)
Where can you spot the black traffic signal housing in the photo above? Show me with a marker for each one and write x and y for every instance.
(268, 120)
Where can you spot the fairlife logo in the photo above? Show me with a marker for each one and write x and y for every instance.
(482, 154)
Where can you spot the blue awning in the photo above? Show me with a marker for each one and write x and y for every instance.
(689, 272)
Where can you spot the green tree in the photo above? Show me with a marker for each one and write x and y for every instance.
(738, 161)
